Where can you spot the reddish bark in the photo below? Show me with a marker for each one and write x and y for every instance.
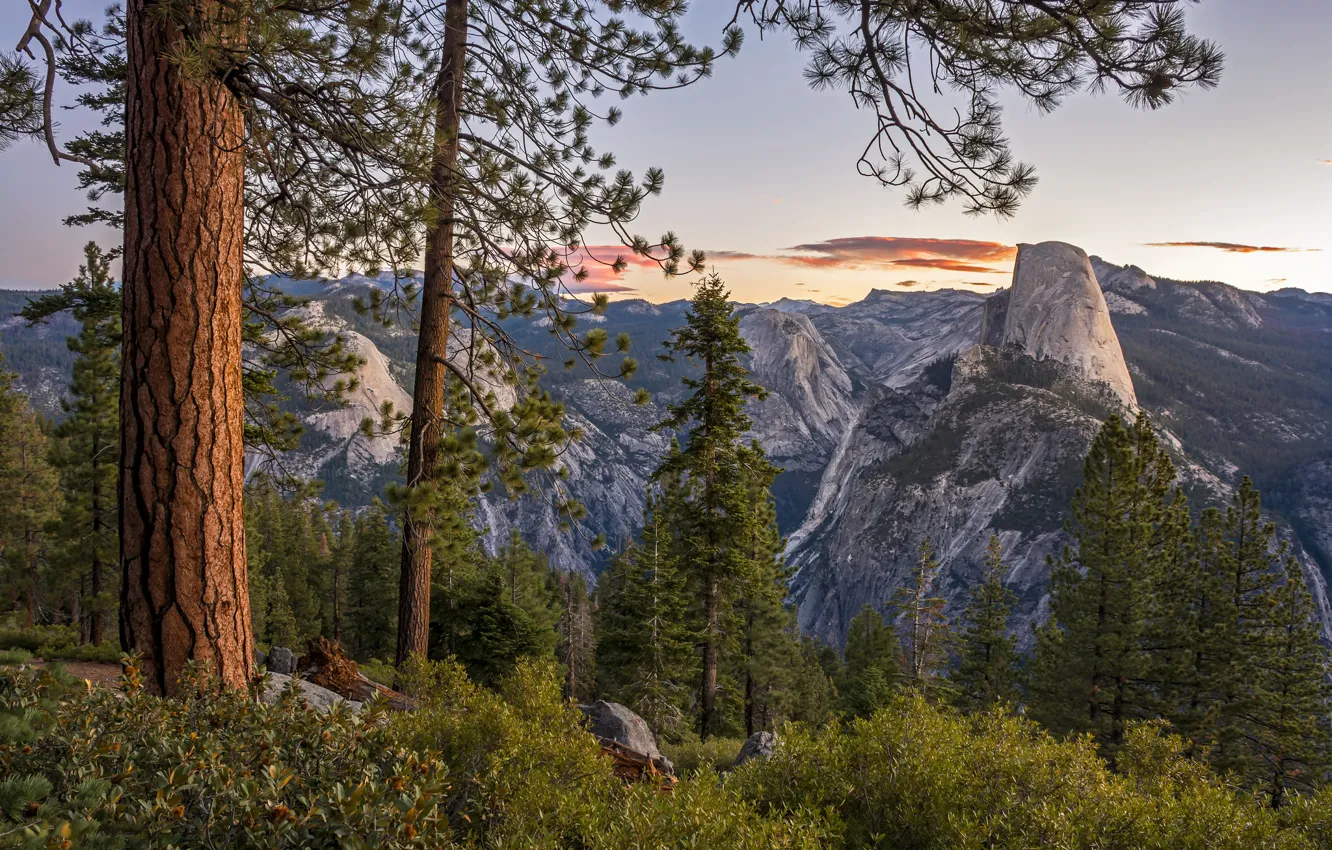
(432, 341)
(184, 593)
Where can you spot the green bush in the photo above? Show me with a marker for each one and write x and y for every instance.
(106, 653)
(530, 776)
(382, 672)
(33, 638)
(717, 754)
(919, 776)
(92, 768)
(14, 656)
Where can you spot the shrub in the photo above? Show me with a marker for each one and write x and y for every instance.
(920, 776)
(530, 776)
(93, 768)
(33, 638)
(716, 754)
(375, 670)
(14, 656)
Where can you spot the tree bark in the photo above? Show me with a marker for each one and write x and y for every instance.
(184, 591)
(708, 698)
(432, 342)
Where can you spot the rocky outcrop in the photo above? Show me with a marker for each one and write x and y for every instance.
(759, 746)
(1056, 311)
(809, 402)
(321, 699)
(610, 721)
(1000, 453)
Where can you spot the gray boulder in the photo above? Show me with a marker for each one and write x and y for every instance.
(615, 722)
(260, 657)
(316, 697)
(281, 660)
(760, 745)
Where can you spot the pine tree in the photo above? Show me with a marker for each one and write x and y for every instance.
(872, 664)
(1093, 665)
(1288, 730)
(986, 671)
(372, 586)
(645, 647)
(30, 493)
(768, 654)
(923, 624)
(577, 645)
(86, 452)
(715, 467)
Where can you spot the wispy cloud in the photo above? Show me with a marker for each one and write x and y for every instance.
(889, 252)
(597, 261)
(1233, 247)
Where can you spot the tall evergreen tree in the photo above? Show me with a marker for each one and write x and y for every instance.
(872, 664)
(986, 671)
(372, 586)
(924, 626)
(30, 493)
(1094, 664)
(1288, 730)
(645, 646)
(768, 656)
(86, 451)
(577, 645)
(715, 467)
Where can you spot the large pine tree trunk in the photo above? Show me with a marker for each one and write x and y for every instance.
(184, 593)
(432, 342)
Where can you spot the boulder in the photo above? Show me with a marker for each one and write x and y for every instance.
(760, 745)
(281, 660)
(616, 723)
(260, 657)
(316, 697)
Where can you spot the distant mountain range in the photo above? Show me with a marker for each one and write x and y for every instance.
(909, 413)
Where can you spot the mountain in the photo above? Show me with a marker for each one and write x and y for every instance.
(909, 413)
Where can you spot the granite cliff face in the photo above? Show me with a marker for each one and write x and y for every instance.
(1055, 310)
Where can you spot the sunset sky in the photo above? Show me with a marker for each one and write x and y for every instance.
(1233, 184)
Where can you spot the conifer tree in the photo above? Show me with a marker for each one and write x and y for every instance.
(1093, 666)
(372, 586)
(1267, 671)
(1289, 728)
(645, 647)
(768, 655)
(86, 451)
(986, 671)
(924, 626)
(577, 645)
(715, 467)
(872, 664)
(30, 493)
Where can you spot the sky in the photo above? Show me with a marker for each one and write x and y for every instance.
(1232, 184)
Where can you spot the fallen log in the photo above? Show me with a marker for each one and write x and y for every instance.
(326, 664)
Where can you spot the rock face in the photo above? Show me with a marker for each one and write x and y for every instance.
(1001, 452)
(617, 723)
(1056, 311)
(316, 697)
(760, 745)
(282, 661)
(809, 405)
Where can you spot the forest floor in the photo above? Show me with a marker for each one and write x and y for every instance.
(98, 673)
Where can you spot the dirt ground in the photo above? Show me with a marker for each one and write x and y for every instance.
(100, 674)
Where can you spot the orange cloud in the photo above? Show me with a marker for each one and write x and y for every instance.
(1231, 247)
(887, 252)
(597, 261)
(946, 265)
